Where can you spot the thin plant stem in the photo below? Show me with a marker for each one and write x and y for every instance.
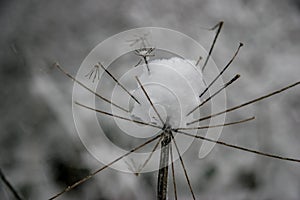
(162, 180)
(223, 70)
(132, 166)
(236, 77)
(145, 55)
(117, 116)
(84, 86)
(240, 148)
(146, 94)
(149, 157)
(142, 39)
(102, 168)
(112, 76)
(215, 126)
(147, 64)
(94, 71)
(173, 173)
(198, 61)
(245, 104)
(138, 63)
(219, 26)
(183, 167)
(10, 186)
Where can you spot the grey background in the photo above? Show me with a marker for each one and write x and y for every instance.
(40, 151)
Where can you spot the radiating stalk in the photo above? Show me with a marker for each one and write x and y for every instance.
(162, 185)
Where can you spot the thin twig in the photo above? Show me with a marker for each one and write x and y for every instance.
(139, 62)
(149, 157)
(132, 166)
(102, 168)
(94, 71)
(217, 92)
(183, 167)
(219, 25)
(84, 86)
(240, 148)
(173, 173)
(117, 116)
(145, 53)
(112, 76)
(147, 64)
(142, 39)
(198, 61)
(162, 180)
(215, 126)
(245, 104)
(10, 186)
(223, 70)
(146, 94)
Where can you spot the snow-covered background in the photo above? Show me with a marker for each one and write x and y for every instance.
(40, 151)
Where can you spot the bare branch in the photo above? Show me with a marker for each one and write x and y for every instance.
(223, 70)
(102, 168)
(117, 116)
(84, 86)
(245, 104)
(240, 148)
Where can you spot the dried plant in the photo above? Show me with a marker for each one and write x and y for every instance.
(166, 136)
(10, 186)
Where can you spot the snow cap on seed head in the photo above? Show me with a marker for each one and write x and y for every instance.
(173, 86)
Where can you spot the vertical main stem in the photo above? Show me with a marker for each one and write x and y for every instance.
(162, 185)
